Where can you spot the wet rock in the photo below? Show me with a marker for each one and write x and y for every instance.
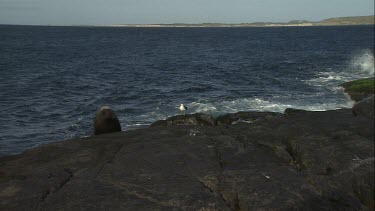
(188, 119)
(106, 121)
(302, 161)
(291, 111)
(364, 107)
(246, 117)
(360, 89)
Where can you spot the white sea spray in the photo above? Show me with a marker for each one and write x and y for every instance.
(363, 63)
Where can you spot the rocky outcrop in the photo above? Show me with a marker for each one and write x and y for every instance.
(188, 119)
(106, 121)
(362, 92)
(364, 107)
(246, 117)
(359, 90)
(295, 161)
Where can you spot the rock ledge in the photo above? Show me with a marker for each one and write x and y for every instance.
(250, 161)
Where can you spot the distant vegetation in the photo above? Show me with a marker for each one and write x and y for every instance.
(358, 20)
(297, 21)
(360, 87)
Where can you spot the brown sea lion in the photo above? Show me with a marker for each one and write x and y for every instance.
(106, 121)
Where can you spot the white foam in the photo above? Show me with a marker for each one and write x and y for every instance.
(326, 78)
(272, 105)
(363, 63)
(202, 107)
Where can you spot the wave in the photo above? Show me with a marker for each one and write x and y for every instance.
(217, 108)
(361, 65)
(326, 77)
(363, 62)
(272, 105)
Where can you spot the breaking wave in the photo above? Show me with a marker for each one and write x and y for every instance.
(363, 63)
(272, 105)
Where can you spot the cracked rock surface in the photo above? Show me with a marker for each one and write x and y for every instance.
(249, 161)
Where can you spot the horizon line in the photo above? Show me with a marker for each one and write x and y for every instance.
(188, 24)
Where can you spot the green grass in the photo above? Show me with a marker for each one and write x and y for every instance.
(365, 86)
(350, 20)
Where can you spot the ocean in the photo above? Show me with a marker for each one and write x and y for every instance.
(54, 79)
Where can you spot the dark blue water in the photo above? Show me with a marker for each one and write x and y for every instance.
(54, 79)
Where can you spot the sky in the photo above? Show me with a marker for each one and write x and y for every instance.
(107, 12)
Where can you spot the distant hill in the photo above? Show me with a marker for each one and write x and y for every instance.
(359, 20)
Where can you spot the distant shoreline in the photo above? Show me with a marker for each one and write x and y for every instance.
(185, 26)
(219, 26)
(341, 21)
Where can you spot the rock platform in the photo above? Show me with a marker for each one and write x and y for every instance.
(299, 160)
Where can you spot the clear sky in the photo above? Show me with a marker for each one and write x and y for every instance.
(101, 12)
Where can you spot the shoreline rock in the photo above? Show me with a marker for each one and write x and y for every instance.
(360, 89)
(188, 119)
(299, 160)
(364, 107)
(362, 92)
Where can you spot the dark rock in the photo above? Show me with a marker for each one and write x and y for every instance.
(303, 161)
(357, 97)
(291, 111)
(360, 89)
(246, 117)
(188, 119)
(159, 123)
(364, 107)
(106, 121)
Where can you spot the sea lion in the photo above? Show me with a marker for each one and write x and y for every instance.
(106, 121)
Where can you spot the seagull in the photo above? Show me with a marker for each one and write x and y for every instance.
(183, 108)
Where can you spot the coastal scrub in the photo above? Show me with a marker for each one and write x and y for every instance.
(361, 87)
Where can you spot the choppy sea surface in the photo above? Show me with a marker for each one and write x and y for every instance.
(54, 79)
